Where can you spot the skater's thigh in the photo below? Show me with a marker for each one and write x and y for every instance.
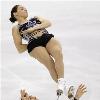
(41, 54)
(54, 48)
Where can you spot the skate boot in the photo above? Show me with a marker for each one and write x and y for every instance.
(71, 93)
(61, 86)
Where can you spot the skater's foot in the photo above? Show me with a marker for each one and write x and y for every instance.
(61, 86)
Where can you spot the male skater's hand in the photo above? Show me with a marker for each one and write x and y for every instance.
(25, 96)
(33, 98)
(80, 91)
(24, 32)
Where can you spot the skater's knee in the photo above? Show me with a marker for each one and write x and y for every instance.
(57, 53)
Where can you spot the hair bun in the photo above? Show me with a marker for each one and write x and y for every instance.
(12, 19)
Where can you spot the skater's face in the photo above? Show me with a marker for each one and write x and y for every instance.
(21, 12)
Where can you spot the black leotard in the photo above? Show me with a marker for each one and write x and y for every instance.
(31, 23)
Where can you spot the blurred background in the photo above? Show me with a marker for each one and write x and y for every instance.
(76, 24)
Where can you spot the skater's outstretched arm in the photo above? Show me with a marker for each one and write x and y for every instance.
(80, 91)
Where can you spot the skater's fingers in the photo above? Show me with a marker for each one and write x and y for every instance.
(23, 90)
(26, 95)
(22, 93)
(82, 93)
(82, 86)
(33, 98)
(83, 89)
(24, 98)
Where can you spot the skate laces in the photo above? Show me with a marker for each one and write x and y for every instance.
(61, 84)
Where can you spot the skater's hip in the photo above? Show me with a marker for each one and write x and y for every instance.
(39, 41)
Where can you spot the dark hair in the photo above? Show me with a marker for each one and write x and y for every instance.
(12, 18)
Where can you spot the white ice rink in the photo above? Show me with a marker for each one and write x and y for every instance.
(77, 26)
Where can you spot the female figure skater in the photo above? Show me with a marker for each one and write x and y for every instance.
(41, 45)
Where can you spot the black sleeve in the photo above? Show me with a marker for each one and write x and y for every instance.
(36, 19)
(23, 27)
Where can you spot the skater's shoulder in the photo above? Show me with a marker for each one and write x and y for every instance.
(15, 27)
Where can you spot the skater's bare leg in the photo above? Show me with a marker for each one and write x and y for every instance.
(55, 50)
(40, 53)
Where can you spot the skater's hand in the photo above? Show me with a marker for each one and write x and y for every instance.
(24, 32)
(23, 93)
(33, 98)
(80, 91)
(29, 30)
(25, 96)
